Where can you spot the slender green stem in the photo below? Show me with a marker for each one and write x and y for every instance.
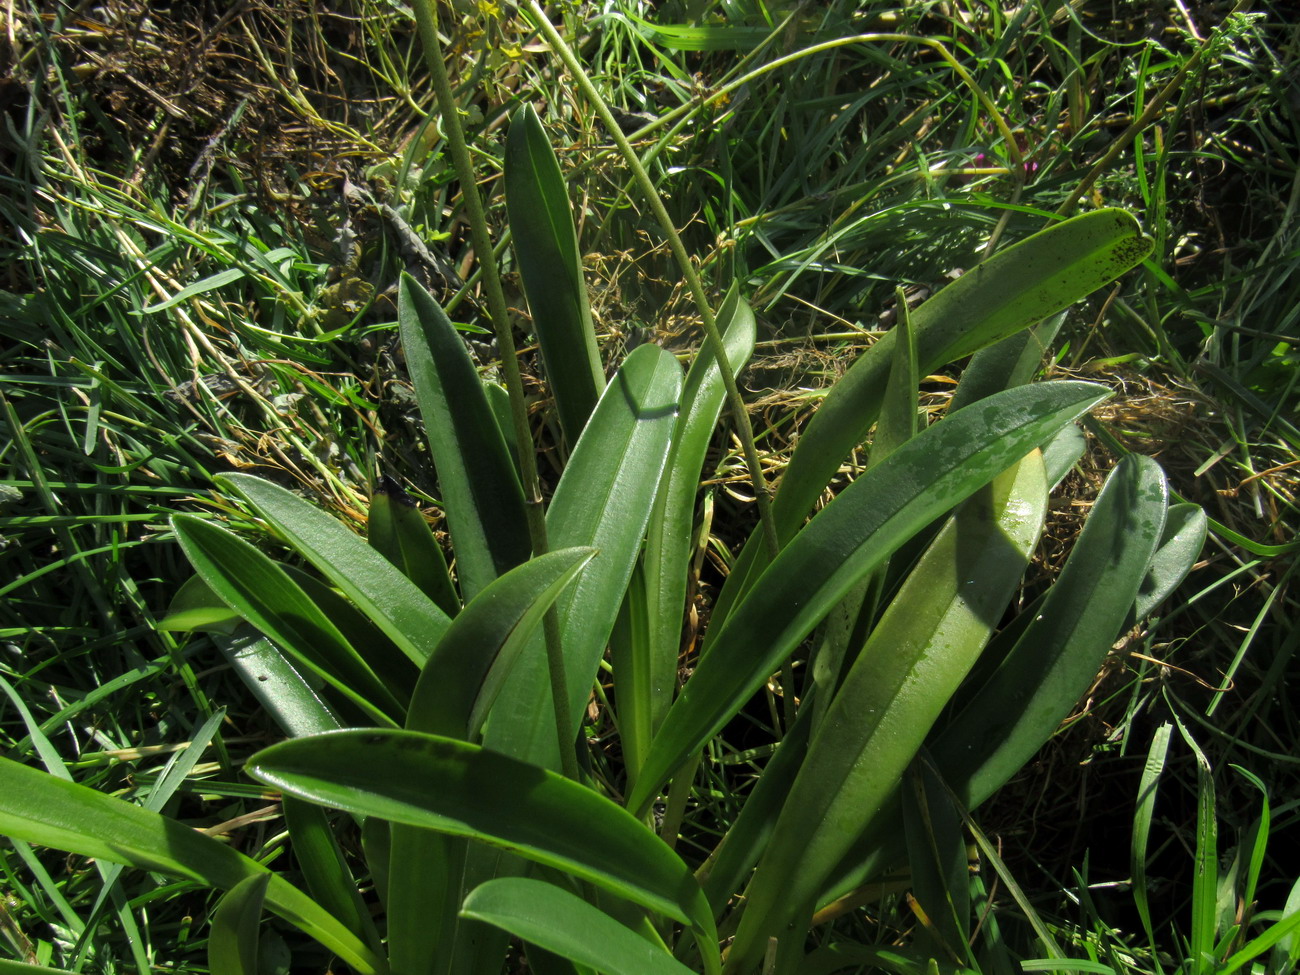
(426, 16)
(713, 336)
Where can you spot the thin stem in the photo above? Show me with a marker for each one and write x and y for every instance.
(427, 20)
(740, 414)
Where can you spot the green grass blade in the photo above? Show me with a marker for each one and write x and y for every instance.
(645, 690)
(1061, 650)
(546, 247)
(462, 679)
(603, 501)
(1012, 290)
(938, 864)
(410, 619)
(267, 598)
(232, 941)
(1142, 819)
(41, 809)
(560, 922)
(458, 788)
(478, 480)
(19, 968)
(1204, 927)
(397, 530)
(854, 533)
(913, 662)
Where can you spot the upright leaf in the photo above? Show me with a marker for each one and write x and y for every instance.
(232, 943)
(1010, 291)
(546, 247)
(646, 686)
(560, 922)
(603, 501)
(478, 480)
(1064, 645)
(265, 595)
(397, 530)
(938, 468)
(392, 602)
(916, 657)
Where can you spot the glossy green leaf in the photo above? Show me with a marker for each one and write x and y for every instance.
(236, 924)
(1010, 291)
(266, 597)
(195, 607)
(546, 247)
(285, 692)
(476, 476)
(18, 968)
(455, 691)
(646, 684)
(938, 468)
(734, 858)
(913, 662)
(603, 501)
(560, 922)
(1045, 659)
(464, 790)
(900, 406)
(1063, 647)
(1180, 547)
(409, 618)
(42, 809)
(467, 671)
(425, 877)
(1013, 361)
(397, 530)
(325, 869)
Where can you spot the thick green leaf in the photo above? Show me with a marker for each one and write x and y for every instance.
(938, 468)
(1062, 649)
(1059, 644)
(476, 476)
(425, 877)
(236, 924)
(646, 684)
(560, 922)
(546, 247)
(938, 862)
(325, 869)
(18, 968)
(454, 693)
(1013, 361)
(1180, 547)
(1010, 291)
(410, 619)
(289, 697)
(603, 501)
(745, 841)
(41, 809)
(913, 662)
(196, 607)
(458, 788)
(467, 671)
(266, 597)
(397, 530)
